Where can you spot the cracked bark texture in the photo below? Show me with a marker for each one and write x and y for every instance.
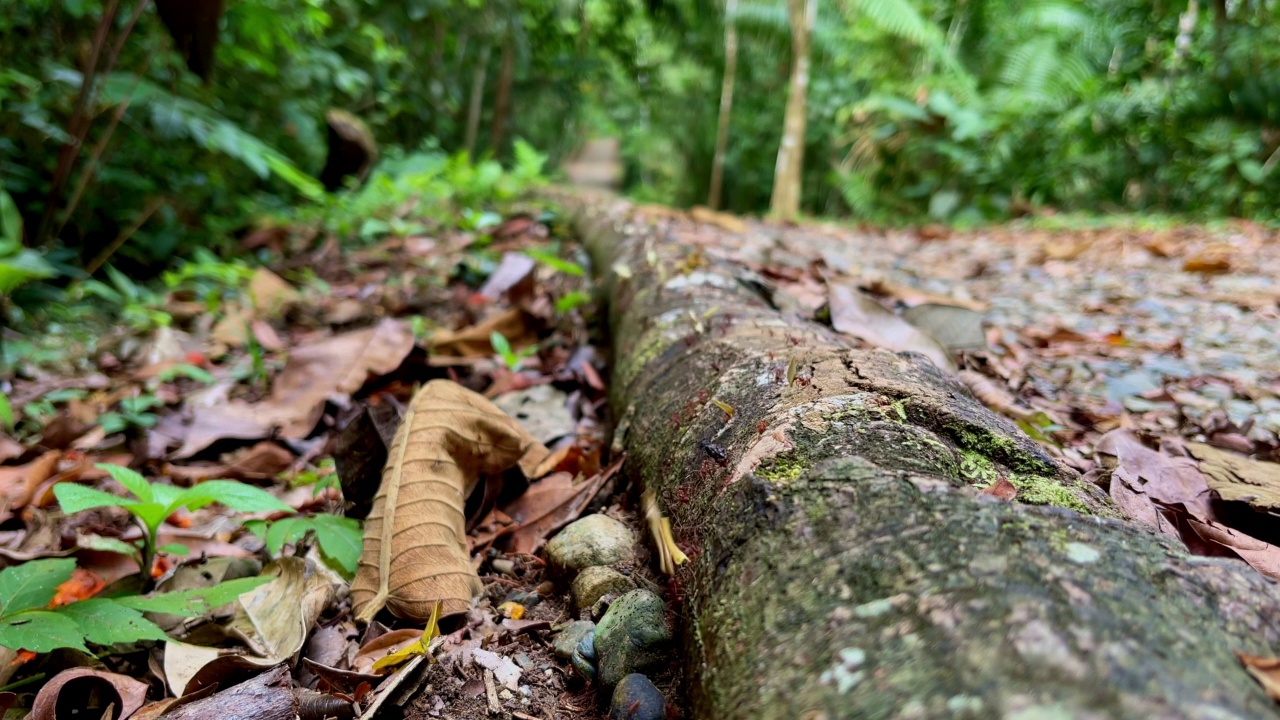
(844, 567)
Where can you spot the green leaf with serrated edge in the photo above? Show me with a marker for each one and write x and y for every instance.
(235, 495)
(166, 495)
(40, 631)
(340, 538)
(32, 584)
(190, 603)
(106, 622)
(131, 480)
(74, 498)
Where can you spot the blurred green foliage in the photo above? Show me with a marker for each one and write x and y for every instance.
(955, 110)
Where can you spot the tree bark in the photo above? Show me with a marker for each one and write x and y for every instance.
(502, 96)
(787, 174)
(726, 103)
(477, 100)
(843, 567)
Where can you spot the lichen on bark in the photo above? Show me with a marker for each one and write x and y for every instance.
(844, 564)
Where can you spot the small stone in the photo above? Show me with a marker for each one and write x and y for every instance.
(567, 641)
(1082, 554)
(593, 540)
(631, 637)
(596, 582)
(636, 698)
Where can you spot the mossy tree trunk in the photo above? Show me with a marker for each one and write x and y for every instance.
(844, 567)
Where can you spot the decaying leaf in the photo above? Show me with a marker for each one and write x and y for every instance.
(18, 484)
(722, 220)
(122, 691)
(270, 293)
(1235, 477)
(275, 619)
(914, 296)
(335, 367)
(1266, 670)
(415, 545)
(1261, 556)
(515, 325)
(855, 313)
(956, 328)
(994, 396)
(1002, 489)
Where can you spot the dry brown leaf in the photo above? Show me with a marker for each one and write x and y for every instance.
(515, 325)
(333, 368)
(382, 646)
(126, 693)
(233, 329)
(514, 273)
(855, 313)
(415, 545)
(1266, 670)
(1214, 259)
(1002, 489)
(548, 505)
(1261, 556)
(270, 293)
(1238, 478)
(18, 484)
(914, 296)
(1170, 480)
(9, 449)
(994, 396)
(1062, 247)
(722, 220)
(260, 462)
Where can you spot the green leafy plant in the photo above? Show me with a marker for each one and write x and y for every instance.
(551, 260)
(18, 265)
(340, 539)
(509, 357)
(186, 370)
(132, 413)
(6, 412)
(571, 301)
(26, 623)
(153, 502)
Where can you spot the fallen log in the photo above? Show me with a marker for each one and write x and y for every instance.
(843, 564)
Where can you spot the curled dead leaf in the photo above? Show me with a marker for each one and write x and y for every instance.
(1266, 670)
(415, 545)
(1002, 489)
(70, 691)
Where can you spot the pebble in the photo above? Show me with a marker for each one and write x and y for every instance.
(636, 698)
(594, 583)
(631, 637)
(567, 641)
(593, 540)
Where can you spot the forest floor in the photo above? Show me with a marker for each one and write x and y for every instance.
(1155, 353)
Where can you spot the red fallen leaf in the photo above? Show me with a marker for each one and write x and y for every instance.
(1002, 489)
(197, 358)
(1266, 670)
(82, 585)
(80, 683)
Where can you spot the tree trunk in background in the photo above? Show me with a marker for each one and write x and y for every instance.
(785, 202)
(477, 100)
(842, 567)
(726, 103)
(502, 96)
(436, 89)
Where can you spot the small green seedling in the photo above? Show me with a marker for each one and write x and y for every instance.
(133, 413)
(509, 357)
(6, 412)
(26, 623)
(572, 301)
(156, 502)
(340, 538)
(186, 370)
(565, 266)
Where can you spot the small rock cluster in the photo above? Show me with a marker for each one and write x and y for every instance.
(622, 631)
